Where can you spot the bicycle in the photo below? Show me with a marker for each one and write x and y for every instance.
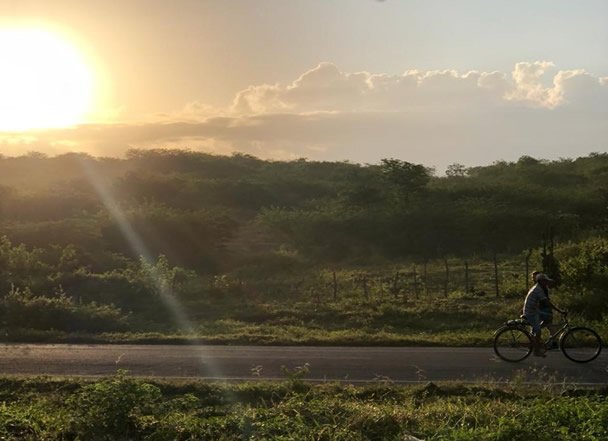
(513, 341)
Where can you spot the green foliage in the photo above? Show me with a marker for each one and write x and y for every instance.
(238, 237)
(406, 177)
(161, 278)
(585, 274)
(22, 309)
(195, 238)
(121, 408)
(21, 267)
(296, 376)
(111, 409)
(189, 206)
(456, 170)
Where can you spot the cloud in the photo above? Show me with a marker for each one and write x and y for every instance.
(528, 87)
(433, 117)
(325, 88)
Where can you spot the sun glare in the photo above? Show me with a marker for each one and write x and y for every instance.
(44, 81)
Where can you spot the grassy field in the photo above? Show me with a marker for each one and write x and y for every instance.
(434, 321)
(124, 408)
(390, 306)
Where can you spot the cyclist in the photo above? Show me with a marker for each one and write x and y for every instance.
(535, 306)
(546, 312)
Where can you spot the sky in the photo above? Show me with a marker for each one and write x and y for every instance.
(426, 81)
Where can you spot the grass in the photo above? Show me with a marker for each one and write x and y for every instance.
(120, 408)
(451, 322)
(444, 322)
(299, 309)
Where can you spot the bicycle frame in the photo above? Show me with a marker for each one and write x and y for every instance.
(565, 326)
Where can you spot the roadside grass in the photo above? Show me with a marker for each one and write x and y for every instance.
(451, 322)
(236, 333)
(367, 306)
(121, 408)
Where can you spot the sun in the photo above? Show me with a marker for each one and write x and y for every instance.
(44, 80)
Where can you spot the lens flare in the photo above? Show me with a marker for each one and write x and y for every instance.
(138, 246)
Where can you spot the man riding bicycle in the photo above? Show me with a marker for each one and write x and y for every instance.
(536, 300)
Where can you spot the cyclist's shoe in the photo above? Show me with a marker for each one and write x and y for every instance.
(539, 354)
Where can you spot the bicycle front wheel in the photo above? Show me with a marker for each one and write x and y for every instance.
(512, 344)
(581, 345)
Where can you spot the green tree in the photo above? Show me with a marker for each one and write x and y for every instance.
(406, 177)
(584, 270)
(456, 170)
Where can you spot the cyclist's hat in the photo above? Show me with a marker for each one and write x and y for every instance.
(542, 276)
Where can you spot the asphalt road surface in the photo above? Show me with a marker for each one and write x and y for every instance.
(353, 364)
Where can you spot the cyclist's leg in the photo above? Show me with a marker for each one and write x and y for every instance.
(534, 320)
(547, 322)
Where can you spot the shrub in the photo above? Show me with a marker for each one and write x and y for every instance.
(585, 276)
(110, 409)
(22, 309)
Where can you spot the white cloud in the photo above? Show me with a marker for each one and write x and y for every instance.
(325, 88)
(433, 117)
(528, 87)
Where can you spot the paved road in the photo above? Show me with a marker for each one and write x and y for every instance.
(356, 364)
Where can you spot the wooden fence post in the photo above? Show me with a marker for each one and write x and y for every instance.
(334, 286)
(415, 282)
(395, 287)
(425, 281)
(527, 275)
(447, 277)
(496, 274)
(466, 277)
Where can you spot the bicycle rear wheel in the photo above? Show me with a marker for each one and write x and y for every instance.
(512, 344)
(581, 345)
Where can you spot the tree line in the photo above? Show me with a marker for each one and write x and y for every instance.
(209, 213)
(74, 227)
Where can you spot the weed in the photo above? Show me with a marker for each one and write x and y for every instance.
(120, 408)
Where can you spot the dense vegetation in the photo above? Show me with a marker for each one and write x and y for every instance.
(299, 251)
(123, 408)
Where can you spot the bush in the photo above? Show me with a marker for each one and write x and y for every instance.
(110, 409)
(585, 277)
(21, 309)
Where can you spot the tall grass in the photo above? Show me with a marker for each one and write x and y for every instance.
(121, 408)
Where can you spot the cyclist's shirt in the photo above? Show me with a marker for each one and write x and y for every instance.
(546, 312)
(533, 301)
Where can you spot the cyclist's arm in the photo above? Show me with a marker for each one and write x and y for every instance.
(562, 311)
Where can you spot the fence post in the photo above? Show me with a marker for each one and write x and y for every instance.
(466, 277)
(496, 274)
(527, 275)
(395, 287)
(335, 286)
(415, 282)
(447, 277)
(424, 275)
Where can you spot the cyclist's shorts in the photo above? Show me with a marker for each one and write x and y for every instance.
(534, 320)
(546, 316)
